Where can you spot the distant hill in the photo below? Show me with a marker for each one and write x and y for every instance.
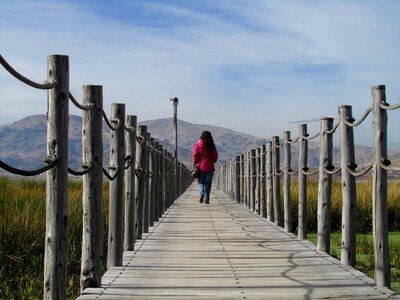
(23, 143)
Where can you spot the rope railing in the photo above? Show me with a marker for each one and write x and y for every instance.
(129, 129)
(308, 138)
(20, 172)
(239, 179)
(128, 161)
(351, 122)
(293, 141)
(87, 169)
(47, 85)
(351, 169)
(331, 170)
(386, 106)
(139, 172)
(385, 164)
(330, 131)
(292, 172)
(108, 175)
(146, 165)
(87, 106)
(109, 121)
(140, 139)
(305, 172)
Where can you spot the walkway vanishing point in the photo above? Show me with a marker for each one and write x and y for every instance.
(224, 251)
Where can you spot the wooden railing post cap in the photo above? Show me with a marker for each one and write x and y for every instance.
(378, 87)
(92, 86)
(326, 118)
(58, 55)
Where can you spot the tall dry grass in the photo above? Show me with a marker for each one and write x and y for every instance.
(22, 232)
(364, 205)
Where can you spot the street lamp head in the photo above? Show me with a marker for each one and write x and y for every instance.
(175, 99)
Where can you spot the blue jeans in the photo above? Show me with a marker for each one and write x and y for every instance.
(204, 182)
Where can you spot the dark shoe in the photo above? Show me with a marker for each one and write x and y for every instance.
(201, 199)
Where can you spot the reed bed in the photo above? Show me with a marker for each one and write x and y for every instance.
(22, 232)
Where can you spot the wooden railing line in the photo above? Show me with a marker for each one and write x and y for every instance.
(148, 179)
(243, 180)
(48, 84)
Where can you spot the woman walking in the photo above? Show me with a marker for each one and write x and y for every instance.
(205, 155)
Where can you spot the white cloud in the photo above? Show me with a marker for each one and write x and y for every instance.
(253, 65)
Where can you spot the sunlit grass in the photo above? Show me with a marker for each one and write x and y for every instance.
(365, 254)
(365, 246)
(22, 231)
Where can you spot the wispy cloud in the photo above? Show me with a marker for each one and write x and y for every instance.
(252, 66)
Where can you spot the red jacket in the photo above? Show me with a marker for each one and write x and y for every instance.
(205, 158)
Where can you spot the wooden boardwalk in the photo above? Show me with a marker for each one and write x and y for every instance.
(224, 251)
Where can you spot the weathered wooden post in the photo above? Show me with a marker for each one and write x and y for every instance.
(92, 194)
(130, 179)
(303, 142)
(146, 206)
(270, 198)
(230, 176)
(152, 177)
(162, 180)
(379, 189)
(56, 239)
(227, 178)
(349, 199)
(168, 168)
(140, 182)
(237, 179)
(258, 178)
(116, 202)
(253, 179)
(249, 179)
(245, 179)
(156, 178)
(286, 183)
(325, 186)
(242, 178)
(276, 181)
(168, 177)
(262, 182)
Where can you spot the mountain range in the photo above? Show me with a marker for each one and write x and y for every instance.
(23, 143)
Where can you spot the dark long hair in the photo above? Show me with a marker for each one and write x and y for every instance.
(207, 138)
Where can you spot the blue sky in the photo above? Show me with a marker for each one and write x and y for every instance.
(252, 66)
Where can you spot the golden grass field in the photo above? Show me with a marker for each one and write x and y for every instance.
(22, 231)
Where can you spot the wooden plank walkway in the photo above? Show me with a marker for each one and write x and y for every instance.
(224, 251)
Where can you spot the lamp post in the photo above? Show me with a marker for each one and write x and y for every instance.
(175, 101)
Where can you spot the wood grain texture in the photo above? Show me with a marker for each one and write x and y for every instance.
(225, 251)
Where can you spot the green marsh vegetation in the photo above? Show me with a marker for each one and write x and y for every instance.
(365, 243)
(22, 231)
